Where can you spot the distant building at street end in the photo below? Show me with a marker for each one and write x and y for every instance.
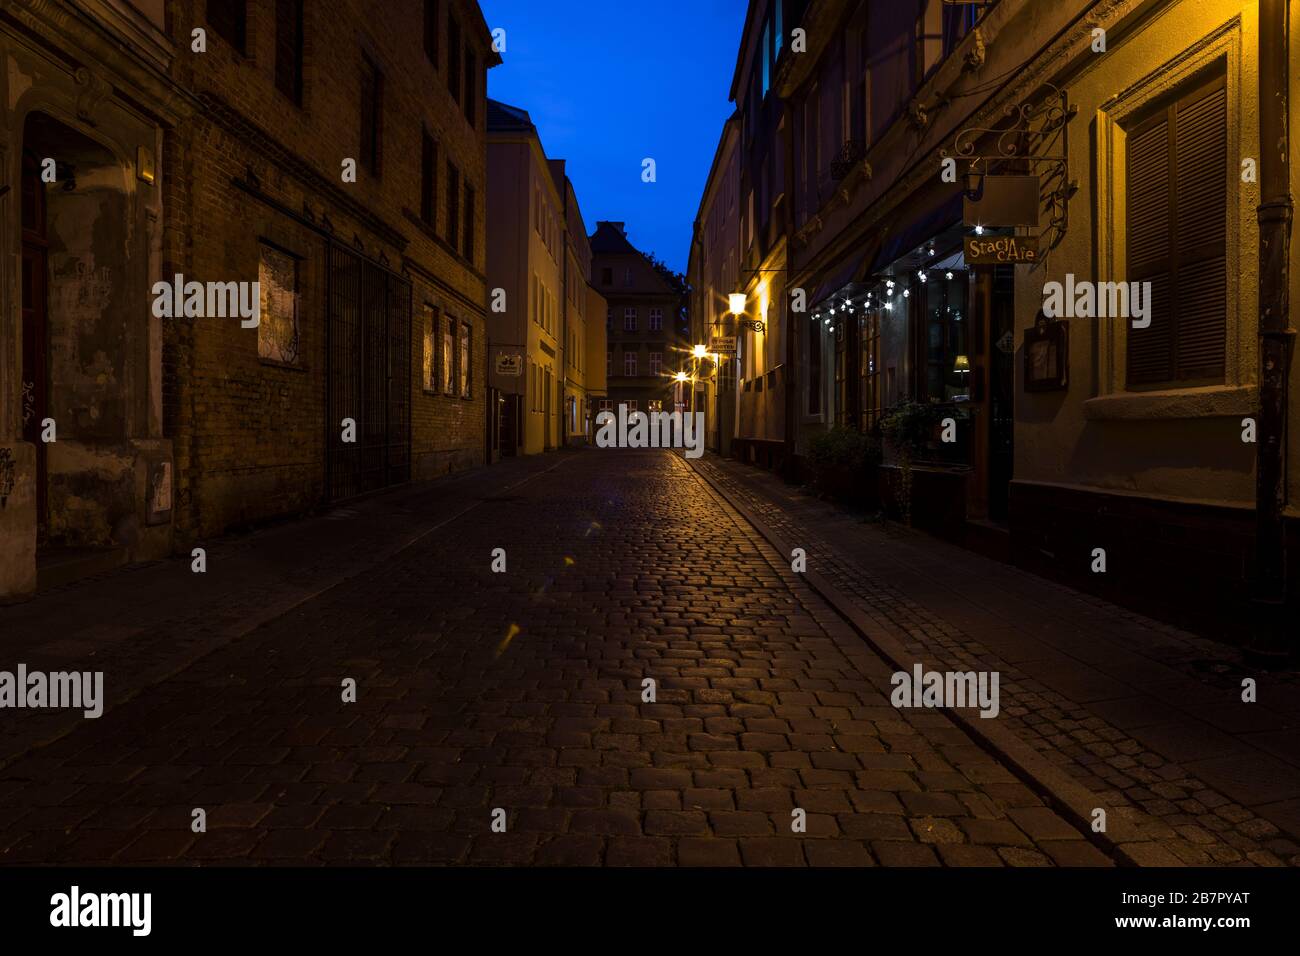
(647, 345)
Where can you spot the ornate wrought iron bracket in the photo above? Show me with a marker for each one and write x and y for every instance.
(1035, 134)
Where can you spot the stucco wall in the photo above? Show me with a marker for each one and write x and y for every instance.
(1179, 443)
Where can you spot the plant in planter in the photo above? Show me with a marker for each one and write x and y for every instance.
(840, 459)
(908, 428)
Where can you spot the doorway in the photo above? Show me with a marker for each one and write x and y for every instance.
(1002, 390)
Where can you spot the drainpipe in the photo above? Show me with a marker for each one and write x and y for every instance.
(1269, 639)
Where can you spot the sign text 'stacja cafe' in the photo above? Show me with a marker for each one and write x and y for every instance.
(981, 250)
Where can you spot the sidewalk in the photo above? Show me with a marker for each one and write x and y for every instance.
(1141, 714)
(144, 623)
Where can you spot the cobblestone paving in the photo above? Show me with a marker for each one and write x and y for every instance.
(522, 691)
(1195, 824)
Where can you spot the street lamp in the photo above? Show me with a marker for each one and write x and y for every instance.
(700, 351)
(737, 300)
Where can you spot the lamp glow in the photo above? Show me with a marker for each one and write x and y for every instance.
(737, 302)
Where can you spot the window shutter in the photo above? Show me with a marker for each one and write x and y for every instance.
(1177, 228)
(1201, 146)
(1150, 350)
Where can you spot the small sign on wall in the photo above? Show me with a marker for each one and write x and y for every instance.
(1047, 355)
(510, 363)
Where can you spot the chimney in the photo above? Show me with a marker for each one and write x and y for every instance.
(620, 226)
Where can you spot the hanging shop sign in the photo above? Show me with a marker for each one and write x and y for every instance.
(996, 250)
(1002, 201)
(725, 344)
(510, 363)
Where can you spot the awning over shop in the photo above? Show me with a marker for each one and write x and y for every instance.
(918, 223)
(850, 269)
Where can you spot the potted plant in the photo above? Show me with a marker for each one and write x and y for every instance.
(841, 460)
(908, 428)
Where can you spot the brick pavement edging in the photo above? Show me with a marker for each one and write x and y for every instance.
(1074, 801)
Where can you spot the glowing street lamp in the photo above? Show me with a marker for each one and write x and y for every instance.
(681, 376)
(737, 301)
(700, 351)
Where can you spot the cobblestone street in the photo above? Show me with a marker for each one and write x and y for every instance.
(519, 691)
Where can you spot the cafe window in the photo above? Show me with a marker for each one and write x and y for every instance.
(869, 326)
(842, 383)
(814, 367)
(945, 347)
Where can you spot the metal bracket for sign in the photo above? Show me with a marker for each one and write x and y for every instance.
(1032, 126)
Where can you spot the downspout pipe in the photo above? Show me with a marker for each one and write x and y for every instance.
(1269, 638)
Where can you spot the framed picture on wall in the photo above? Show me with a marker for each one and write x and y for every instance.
(1047, 355)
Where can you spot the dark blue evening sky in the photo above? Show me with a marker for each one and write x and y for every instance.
(611, 82)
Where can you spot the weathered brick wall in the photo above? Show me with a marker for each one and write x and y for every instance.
(250, 436)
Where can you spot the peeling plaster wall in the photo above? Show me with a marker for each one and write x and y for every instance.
(87, 320)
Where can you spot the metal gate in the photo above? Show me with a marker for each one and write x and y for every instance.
(368, 379)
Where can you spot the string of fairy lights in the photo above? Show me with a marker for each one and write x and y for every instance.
(881, 295)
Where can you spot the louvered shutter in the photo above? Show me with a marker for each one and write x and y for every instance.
(1150, 350)
(1201, 149)
(1177, 228)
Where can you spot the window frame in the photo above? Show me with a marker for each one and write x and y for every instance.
(428, 179)
(372, 133)
(431, 31)
(238, 41)
(1237, 395)
(297, 63)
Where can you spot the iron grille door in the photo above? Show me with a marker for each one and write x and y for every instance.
(369, 352)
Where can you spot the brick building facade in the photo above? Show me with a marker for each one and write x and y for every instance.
(337, 156)
(646, 341)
